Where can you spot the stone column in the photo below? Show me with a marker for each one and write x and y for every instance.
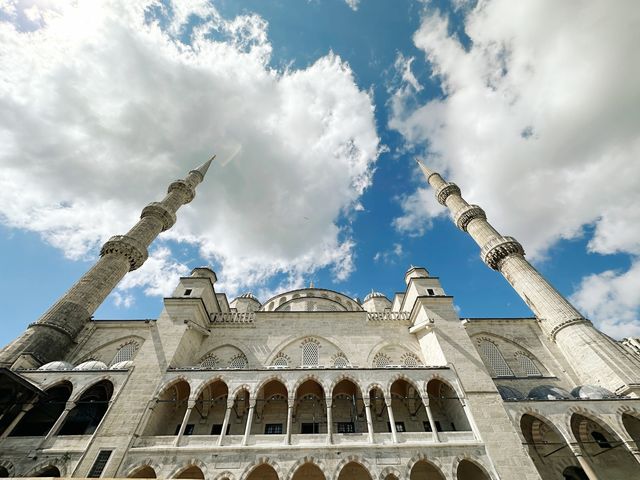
(185, 420)
(225, 423)
(367, 409)
(290, 404)
(247, 430)
(51, 337)
(15, 421)
(329, 423)
(432, 422)
(392, 422)
(584, 463)
(70, 405)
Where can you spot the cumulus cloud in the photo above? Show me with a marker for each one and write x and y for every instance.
(390, 256)
(538, 120)
(106, 102)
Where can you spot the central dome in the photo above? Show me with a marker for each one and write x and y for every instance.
(311, 300)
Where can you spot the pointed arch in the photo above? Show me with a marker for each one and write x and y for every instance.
(493, 358)
(260, 462)
(366, 472)
(295, 470)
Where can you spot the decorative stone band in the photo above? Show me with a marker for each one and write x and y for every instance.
(388, 316)
(499, 248)
(60, 328)
(158, 210)
(445, 190)
(234, 318)
(464, 216)
(188, 192)
(129, 247)
(566, 323)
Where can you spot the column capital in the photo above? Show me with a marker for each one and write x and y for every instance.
(130, 248)
(445, 190)
(184, 188)
(463, 217)
(160, 211)
(497, 249)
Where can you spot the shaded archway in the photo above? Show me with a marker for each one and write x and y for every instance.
(89, 410)
(603, 449)
(308, 471)
(408, 409)
(270, 417)
(39, 420)
(574, 473)
(310, 408)
(446, 407)
(468, 470)
(379, 414)
(143, 472)
(354, 471)
(207, 415)
(632, 425)
(423, 470)
(547, 447)
(347, 405)
(49, 471)
(169, 411)
(4, 473)
(191, 472)
(239, 413)
(263, 472)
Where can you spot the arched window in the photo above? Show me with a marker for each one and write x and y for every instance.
(494, 359)
(381, 360)
(600, 439)
(340, 362)
(310, 353)
(527, 366)
(281, 361)
(239, 361)
(211, 361)
(125, 353)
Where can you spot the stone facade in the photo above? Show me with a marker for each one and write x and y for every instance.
(313, 384)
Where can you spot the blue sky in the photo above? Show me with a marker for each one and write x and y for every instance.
(317, 110)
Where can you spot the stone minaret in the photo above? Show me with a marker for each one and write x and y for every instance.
(594, 357)
(51, 337)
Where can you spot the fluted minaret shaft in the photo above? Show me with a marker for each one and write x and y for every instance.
(555, 313)
(54, 333)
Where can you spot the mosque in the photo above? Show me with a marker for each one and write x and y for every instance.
(313, 384)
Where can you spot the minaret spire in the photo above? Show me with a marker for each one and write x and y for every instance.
(51, 337)
(560, 320)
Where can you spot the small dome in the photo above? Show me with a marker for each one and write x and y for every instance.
(374, 295)
(91, 365)
(249, 295)
(549, 392)
(509, 393)
(591, 392)
(126, 365)
(59, 365)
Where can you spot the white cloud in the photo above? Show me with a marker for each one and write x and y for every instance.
(390, 256)
(102, 110)
(538, 123)
(353, 4)
(613, 298)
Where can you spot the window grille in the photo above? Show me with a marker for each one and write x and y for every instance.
(99, 464)
(310, 354)
(494, 359)
(346, 427)
(210, 362)
(528, 367)
(399, 427)
(239, 361)
(281, 362)
(381, 360)
(273, 429)
(410, 361)
(340, 362)
(125, 353)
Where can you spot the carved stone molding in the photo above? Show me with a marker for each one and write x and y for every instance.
(464, 216)
(566, 323)
(445, 190)
(129, 247)
(187, 191)
(496, 250)
(158, 210)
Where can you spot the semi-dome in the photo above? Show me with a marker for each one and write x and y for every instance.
(57, 365)
(592, 392)
(510, 393)
(91, 365)
(125, 365)
(311, 300)
(374, 295)
(549, 392)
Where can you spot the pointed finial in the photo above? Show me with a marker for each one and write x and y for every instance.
(311, 284)
(427, 171)
(202, 169)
